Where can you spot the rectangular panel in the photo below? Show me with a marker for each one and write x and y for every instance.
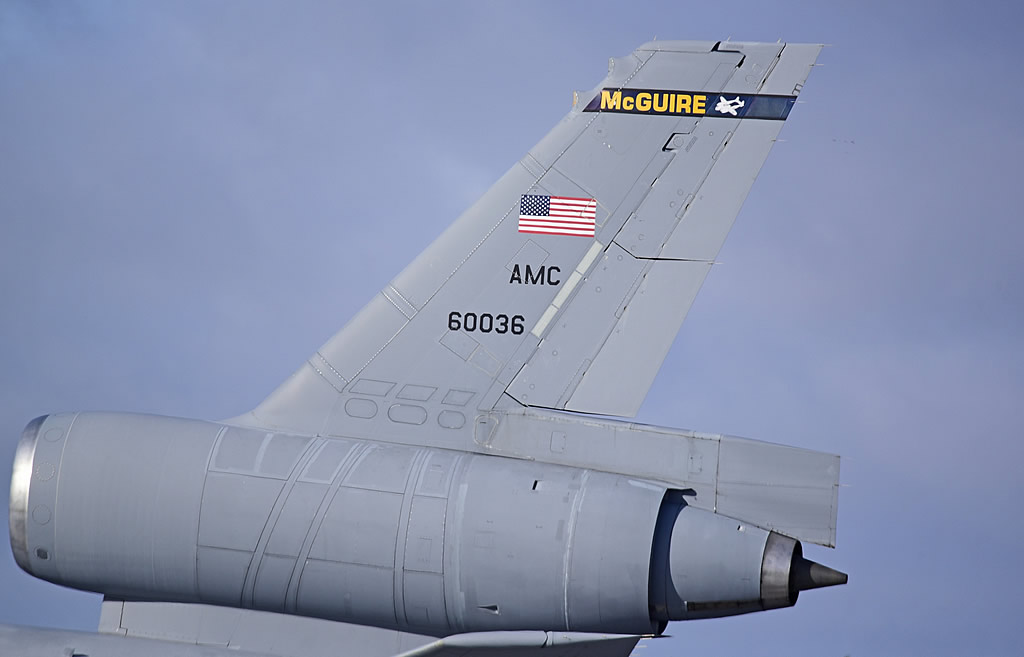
(325, 465)
(757, 485)
(424, 600)
(361, 526)
(279, 455)
(286, 635)
(621, 374)
(235, 509)
(296, 519)
(707, 221)
(332, 590)
(384, 468)
(792, 69)
(658, 214)
(221, 574)
(437, 473)
(577, 334)
(424, 544)
(272, 582)
(789, 489)
(238, 449)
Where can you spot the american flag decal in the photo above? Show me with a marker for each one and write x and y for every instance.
(557, 215)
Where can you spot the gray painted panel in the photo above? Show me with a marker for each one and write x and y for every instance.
(272, 582)
(617, 149)
(238, 449)
(689, 460)
(450, 419)
(416, 393)
(432, 268)
(707, 221)
(360, 527)
(280, 454)
(290, 530)
(528, 643)
(677, 45)
(530, 252)
(621, 374)
(297, 405)
(554, 183)
(221, 574)
(577, 334)
(408, 413)
(519, 545)
(374, 326)
(565, 132)
(793, 68)
(325, 465)
(759, 60)
(714, 558)
(129, 465)
(384, 468)
(235, 509)
(248, 629)
(607, 583)
(796, 488)
(752, 461)
(436, 474)
(424, 601)
(795, 511)
(33, 642)
(424, 549)
(657, 216)
(372, 387)
(339, 591)
(704, 71)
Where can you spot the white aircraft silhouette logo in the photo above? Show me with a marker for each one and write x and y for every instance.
(728, 106)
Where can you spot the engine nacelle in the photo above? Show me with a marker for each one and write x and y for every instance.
(425, 540)
(705, 565)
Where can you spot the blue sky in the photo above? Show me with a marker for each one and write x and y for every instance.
(194, 196)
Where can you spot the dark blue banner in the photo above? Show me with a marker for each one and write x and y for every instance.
(692, 103)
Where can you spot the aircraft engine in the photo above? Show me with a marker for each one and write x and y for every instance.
(705, 565)
(432, 541)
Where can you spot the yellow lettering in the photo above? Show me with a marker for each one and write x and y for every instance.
(663, 107)
(610, 100)
(643, 102)
(682, 104)
(627, 103)
(698, 104)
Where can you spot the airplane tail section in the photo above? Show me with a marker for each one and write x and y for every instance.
(564, 286)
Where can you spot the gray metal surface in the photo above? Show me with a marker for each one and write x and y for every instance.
(37, 642)
(593, 336)
(399, 537)
(416, 478)
(528, 644)
(252, 630)
(786, 489)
